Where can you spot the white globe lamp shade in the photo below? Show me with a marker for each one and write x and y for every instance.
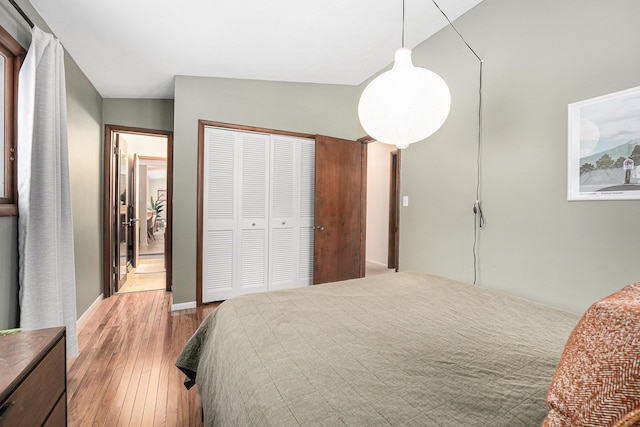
(405, 104)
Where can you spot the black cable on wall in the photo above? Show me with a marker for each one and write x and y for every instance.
(478, 218)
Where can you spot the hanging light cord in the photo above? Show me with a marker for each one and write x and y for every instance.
(402, 45)
(456, 30)
(478, 217)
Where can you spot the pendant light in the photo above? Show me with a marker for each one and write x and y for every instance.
(405, 104)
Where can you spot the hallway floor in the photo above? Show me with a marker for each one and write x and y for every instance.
(375, 269)
(155, 246)
(154, 280)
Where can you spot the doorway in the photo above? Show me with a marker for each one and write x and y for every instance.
(383, 194)
(137, 211)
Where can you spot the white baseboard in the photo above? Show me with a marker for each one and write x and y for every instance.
(86, 314)
(183, 306)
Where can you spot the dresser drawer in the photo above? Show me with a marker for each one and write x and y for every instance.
(58, 417)
(32, 401)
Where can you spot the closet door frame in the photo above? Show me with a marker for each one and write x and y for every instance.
(200, 222)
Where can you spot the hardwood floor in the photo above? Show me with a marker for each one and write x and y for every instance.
(125, 373)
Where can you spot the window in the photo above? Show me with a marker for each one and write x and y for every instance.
(11, 57)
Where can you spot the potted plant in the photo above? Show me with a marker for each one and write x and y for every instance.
(156, 206)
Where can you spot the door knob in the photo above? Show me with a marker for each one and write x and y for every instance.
(320, 227)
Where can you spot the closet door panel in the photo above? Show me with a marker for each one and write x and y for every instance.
(254, 213)
(305, 257)
(220, 173)
(282, 265)
(306, 211)
(253, 265)
(218, 265)
(283, 178)
(292, 210)
(255, 192)
(283, 245)
(219, 243)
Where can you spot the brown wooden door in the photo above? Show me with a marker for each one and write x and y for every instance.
(339, 244)
(122, 211)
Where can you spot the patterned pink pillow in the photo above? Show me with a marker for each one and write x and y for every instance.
(597, 382)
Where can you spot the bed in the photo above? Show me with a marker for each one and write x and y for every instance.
(397, 349)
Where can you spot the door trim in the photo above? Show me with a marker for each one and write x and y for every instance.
(107, 214)
(364, 154)
(393, 258)
(200, 220)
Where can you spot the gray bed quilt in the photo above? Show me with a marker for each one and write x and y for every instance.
(404, 349)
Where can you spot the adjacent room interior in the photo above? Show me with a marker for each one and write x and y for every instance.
(141, 254)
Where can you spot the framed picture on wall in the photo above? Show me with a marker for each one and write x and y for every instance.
(604, 147)
(162, 195)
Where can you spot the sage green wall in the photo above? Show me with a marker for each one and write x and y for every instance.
(84, 110)
(8, 272)
(539, 57)
(142, 113)
(297, 107)
(84, 127)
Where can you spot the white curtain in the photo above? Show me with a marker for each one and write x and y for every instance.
(45, 230)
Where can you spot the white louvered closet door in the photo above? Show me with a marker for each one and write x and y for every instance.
(220, 218)
(306, 202)
(235, 240)
(292, 209)
(253, 224)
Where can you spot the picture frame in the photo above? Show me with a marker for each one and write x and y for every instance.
(604, 147)
(162, 195)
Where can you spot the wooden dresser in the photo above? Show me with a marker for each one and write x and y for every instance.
(33, 378)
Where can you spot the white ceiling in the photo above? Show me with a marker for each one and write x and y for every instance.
(133, 49)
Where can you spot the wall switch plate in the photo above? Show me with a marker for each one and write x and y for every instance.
(405, 200)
